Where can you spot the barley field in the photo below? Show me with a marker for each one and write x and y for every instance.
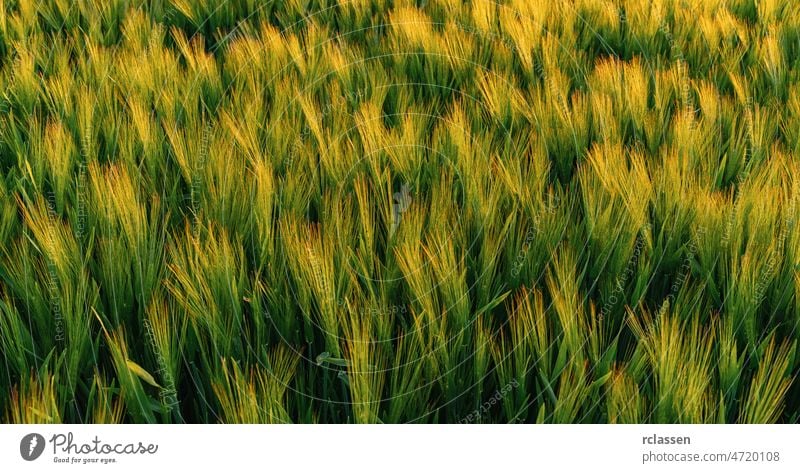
(394, 211)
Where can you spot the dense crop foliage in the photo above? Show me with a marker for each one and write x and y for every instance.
(399, 211)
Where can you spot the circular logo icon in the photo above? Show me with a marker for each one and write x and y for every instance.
(31, 447)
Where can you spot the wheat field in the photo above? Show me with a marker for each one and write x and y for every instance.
(393, 211)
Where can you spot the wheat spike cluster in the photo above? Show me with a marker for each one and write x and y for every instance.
(397, 211)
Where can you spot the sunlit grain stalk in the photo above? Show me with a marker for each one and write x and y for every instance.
(775, 254)
(740, 179)
(53, 283)
(81, 189)
(530, 235)
(197, 175)
(167, 394)
(485, 35)
(680, 60)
